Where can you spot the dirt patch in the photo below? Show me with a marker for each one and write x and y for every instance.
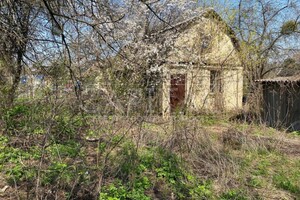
(290, 147)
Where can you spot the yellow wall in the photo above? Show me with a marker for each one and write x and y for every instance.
(223, 56)
(187, 47)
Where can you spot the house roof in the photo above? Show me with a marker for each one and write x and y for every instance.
(287, 79)
(208, 13)
(158, 46)
(178, 25)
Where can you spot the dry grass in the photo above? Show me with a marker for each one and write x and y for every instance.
(237, 159)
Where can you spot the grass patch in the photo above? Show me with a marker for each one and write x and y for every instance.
(288, 177)
(134, 159)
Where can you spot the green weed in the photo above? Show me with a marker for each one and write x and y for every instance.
(291, 184)
(208, 120)
(255, 181)
(64, 174)
(69, 149)
(118, 191)
(12, 161)
(141, 172)
(19, 173)
(234, 194)
(295, 133)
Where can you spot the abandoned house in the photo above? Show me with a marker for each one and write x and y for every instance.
(198, 65)
(281, 102)
(190, 66)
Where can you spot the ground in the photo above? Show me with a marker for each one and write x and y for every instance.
(184, 157)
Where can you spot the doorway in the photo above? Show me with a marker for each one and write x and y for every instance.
(177, 92)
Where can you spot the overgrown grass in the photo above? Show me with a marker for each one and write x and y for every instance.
(151, 173)
(52, 155)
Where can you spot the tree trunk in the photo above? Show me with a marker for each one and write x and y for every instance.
(16, 79)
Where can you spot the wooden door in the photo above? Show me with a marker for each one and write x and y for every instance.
(177, 92)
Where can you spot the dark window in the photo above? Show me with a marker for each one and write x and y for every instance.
(215, 81)
(206, 46)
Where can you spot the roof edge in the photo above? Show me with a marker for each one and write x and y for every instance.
(281, 79)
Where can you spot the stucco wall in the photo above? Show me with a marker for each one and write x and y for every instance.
(198, 94)
(233, 89)
(198, 62)
(188, 46)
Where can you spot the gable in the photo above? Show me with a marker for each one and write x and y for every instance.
(204, 42)
(205, 39)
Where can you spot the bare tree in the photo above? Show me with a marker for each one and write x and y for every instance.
(16, 20)
(267, 30)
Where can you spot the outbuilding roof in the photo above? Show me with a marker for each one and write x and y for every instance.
(287, 79)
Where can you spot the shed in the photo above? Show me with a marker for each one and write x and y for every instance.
(281, 102)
